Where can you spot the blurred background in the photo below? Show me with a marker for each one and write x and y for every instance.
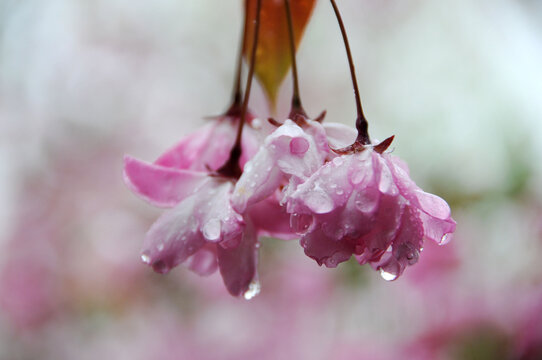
(458, 82)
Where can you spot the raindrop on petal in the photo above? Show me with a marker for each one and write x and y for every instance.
(387, 276)
(211, 230)
(301, 223)
(445, 239)
(367, 200)
(145, 257)
(299, 146)
(319, 202)
(256, 124)
(253, 290)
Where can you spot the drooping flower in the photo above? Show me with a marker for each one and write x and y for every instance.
(364, 203)
(289, 154)
(361, 203)
(202, 228)
(287, 158)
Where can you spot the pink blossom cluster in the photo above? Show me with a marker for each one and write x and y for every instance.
(359, 202)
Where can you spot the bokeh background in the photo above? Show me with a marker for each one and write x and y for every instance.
(459, 82)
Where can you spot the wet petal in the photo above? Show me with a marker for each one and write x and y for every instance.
(159, 185)
(173, 237)
(340, 135)
(238, 265)
(326, 250)
(271, 219)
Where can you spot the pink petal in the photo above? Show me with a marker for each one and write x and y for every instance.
(405, 248)
(288, 151)
(238, 265)
(271, 219)
(339, 135)
(172, 238)
(185, 154)
(161, 186)
(204, 262)
(326, 250)
(210, 146)
(260, 179)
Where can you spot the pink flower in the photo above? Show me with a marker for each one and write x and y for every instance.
(202, 228)
(365, 204)
(290, 154)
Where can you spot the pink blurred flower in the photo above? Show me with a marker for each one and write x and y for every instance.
(202, 228)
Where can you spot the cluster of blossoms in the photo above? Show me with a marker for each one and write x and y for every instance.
(285, 183)
(361, 203)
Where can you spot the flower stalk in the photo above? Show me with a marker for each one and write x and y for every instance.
(362, 126)
(231, 168)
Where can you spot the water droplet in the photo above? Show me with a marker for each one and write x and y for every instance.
(338, 161)
(160, 267)
(387, 276)
(211, 230)
(318, 201)
(256, 124)
(145, 257)
(412, 257)
(160, 247)
(253, 290)
(445, 239)
(339, 191)
(367, 200)
(301, 223)
(299, 146)
(331, 262)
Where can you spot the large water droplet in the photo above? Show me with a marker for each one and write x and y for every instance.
(211, 230)
(299, 146)
(366, 201)
(318, 201)
(145, 257)
(301, 223)
(253, 290)
(160, 247)
(387, 276)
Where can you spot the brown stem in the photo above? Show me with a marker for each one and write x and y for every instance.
(237, 96)
(297, 107)
(231, 168)
(361, 122)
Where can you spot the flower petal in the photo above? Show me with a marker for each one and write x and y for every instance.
(161, 186)
(209, 147)
(173, 237)
(271, 219)
(340, 135)
(288, 150)
(326, 250)
(238, 265)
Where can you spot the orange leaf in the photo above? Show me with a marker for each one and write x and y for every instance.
(273, 58)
